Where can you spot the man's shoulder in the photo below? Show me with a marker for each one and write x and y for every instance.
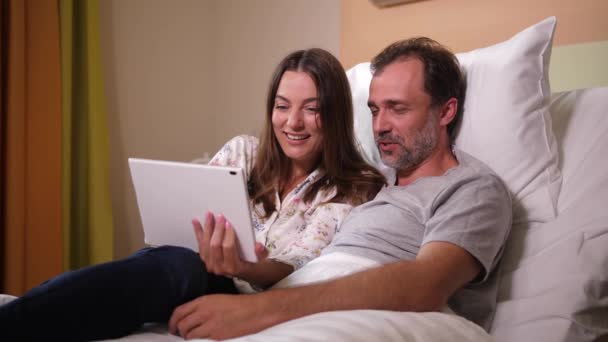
(473, 173)
(471, 167)
(472, 164)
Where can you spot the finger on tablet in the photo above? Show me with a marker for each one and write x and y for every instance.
(216, 240)
(203, 245)
(231, 257)
(198, 230)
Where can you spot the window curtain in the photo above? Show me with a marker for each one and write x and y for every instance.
(55, 210)
(87, 213)
(30, 144)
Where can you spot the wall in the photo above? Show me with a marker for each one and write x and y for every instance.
(252, 37)
(464, 25)
(183, 76)
(157, 59)
(577, 66)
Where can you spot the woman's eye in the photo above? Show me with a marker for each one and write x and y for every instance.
(280, 107)
(312, 110)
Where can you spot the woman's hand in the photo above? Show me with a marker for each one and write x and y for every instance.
(218, 247)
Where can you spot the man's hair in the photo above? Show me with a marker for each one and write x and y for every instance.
(345, 169)
(443, 78)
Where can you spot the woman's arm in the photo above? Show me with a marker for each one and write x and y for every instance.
(266, 273)
(218, 248)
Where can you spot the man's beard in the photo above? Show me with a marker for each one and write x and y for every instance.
(423, 144)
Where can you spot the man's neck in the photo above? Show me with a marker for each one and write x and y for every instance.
(437, 164)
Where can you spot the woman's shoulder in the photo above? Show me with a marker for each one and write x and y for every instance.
(239, 151)
(243, 140)
(241, 145)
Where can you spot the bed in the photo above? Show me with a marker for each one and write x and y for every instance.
(551, 149)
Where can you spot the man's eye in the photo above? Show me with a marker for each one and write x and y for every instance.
(374, 111)
(399, 109)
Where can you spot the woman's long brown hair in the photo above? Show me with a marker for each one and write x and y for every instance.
(355, 180)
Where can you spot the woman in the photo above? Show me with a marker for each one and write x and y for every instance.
(304, 176)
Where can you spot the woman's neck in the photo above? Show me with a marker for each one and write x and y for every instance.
(297, 175)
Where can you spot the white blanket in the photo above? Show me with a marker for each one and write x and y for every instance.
(352, 325)
(326, 267)
(347, 326)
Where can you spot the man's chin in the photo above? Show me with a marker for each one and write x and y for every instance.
(390, 162)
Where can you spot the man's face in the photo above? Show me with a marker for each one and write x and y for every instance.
(405, 126)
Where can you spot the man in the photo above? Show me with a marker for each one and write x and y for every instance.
(433, 238)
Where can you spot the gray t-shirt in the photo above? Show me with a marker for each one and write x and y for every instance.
(468, 206)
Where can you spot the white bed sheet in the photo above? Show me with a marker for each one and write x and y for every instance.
(356, 325)
(352, 326)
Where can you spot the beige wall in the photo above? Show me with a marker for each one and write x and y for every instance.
(465, 24)
(183, 76)
(578, 66)
(252, 37)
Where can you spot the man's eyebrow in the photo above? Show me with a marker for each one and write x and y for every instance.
(392, 103)
(389, 103)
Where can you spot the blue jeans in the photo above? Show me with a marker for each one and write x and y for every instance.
(110, 300)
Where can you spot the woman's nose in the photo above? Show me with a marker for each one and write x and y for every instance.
(294, 119)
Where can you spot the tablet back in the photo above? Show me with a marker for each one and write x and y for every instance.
(170, 194)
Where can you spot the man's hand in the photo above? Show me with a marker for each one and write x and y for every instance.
(220, 317)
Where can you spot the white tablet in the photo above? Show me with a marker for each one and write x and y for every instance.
(170, 194)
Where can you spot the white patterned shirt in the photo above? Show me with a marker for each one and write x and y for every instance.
(295, 232)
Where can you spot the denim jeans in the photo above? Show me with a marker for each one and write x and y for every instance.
(110, 300)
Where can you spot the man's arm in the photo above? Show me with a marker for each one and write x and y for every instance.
(424, 284)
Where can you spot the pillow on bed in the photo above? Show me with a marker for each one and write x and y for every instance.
(506, 122)
(554, 282)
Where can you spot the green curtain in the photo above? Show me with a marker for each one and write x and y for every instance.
(87, 211)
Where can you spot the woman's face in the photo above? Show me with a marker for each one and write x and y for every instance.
(296, 119)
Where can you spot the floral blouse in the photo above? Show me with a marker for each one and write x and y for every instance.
(295, 232)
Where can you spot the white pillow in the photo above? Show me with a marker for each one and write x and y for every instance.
(506, 122)
(555, 275)
(359, 78)
(580, 123)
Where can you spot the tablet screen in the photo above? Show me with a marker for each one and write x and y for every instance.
(170, 194)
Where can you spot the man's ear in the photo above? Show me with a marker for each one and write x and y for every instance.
(448, 111)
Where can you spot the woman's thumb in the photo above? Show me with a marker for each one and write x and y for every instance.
(260, 251)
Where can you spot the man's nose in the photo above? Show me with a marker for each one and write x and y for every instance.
(380, 122)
